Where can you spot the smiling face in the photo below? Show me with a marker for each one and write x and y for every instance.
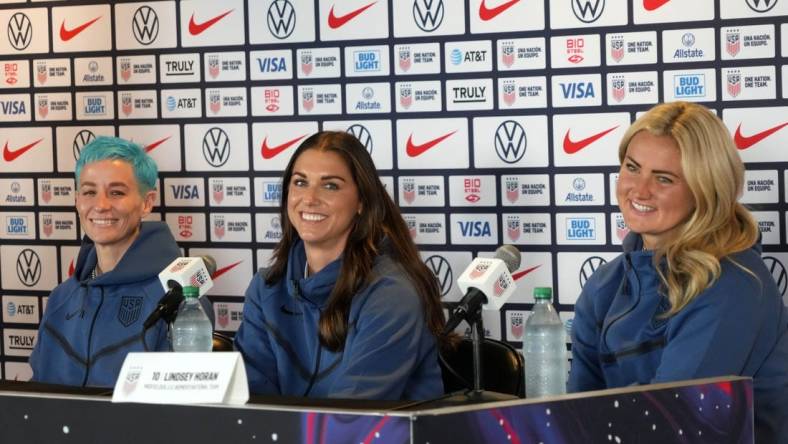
(322, 201)
(652, 193)
(109, 204)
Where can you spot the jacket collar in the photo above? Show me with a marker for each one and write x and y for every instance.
(316, 288)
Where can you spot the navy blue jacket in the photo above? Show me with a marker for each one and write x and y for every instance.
(389, 352)
(737, 326)
(90, 325)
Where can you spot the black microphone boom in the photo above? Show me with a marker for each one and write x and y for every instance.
(167, 306)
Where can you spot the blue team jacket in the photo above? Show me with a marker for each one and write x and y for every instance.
(389, 352)
(90, 325)
(737, 326)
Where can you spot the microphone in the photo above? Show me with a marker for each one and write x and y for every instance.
(182, 272)
(487, 283)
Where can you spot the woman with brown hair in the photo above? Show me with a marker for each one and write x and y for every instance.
(690, 297)
(347, 308)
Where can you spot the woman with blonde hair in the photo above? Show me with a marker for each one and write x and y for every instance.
(690, 297)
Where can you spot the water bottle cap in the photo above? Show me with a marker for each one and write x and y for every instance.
(191, 292)
(543, 293)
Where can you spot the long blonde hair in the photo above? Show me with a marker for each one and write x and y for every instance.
(719, 225)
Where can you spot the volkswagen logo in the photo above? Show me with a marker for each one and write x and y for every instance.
(778, 273)
(145, 25)
(216, 147)
(761, 5)
(281, 19)
(588, 11)
(510, 141)
(80, 140)
(363, 135)
(441, 269)
(588, 268)
(28, 267)
(428, 14)
(20, 31)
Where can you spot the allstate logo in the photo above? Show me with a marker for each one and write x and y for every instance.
(579, 184)
(11, 309)
(456, 56)
(367, 93)
(171, 103)
(688, 39)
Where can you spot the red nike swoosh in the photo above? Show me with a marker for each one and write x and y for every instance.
(11, 155)
(71, 268)
(68, 34)
(335, 22)
(155, 144)
(744, 142)
(414, 150)
(269, 152)
(651, 5)
(571, 147)
(224, 270)
(486, 13)
(520, 274)
(198, 28)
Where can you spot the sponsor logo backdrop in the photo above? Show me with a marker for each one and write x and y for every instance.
(490, 121)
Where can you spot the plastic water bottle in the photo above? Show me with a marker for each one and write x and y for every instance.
(191, 330)
(544, 348)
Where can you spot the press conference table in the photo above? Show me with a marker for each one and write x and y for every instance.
(708, 410)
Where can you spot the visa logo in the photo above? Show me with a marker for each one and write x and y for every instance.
(13, 107)
(475, 229)
(185, 191)
(577, 90)
(272, 64)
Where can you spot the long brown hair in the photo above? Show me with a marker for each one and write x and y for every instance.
(379, 221)
(720, 225)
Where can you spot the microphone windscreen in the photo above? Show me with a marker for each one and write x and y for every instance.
(210, 264)
(510, 255)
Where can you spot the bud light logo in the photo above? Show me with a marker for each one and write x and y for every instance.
(366, 61)
(16, 226)
(581, 228)
(689, 85)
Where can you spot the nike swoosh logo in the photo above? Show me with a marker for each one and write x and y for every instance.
(155, 144)
(571, 147)
(68, 34)
(269, 152)
(651, 5)
(10, 155)
(520, 274)
(196, 29)
(335, 22)
(414, 150)
(71, 268)
(744, 142)
(224, 270)
(486, 13)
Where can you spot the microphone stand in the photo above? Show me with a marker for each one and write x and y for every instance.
(477, 394)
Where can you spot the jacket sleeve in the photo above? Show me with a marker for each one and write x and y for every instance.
(715, 334)
(586, 373)
(387, 345)
(253, 341)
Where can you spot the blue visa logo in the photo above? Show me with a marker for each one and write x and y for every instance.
(185, 191)
(689, 85)
(13, 107)
(271, 64)
(475, 229)
(366, 61)
(581, 228)
(577, 90)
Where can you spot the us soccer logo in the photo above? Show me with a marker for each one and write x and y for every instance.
(733, 42)
(43, 106)
(46, 221)
(513, 228)
(215, 101)
(213, 66)
(125, 103)
(734, 83)
(617, 48)
(479, 270)
(46, 191)
(405, 96)
(218, 227)
(308, 99)
(404, 58)
(410, 221)
(125, 69)
(507, 54)
(512, 187)
(619, 88)
(409, 191)
(509, 92)
(516, 325)
(306, 63)
(222, 317)
(218, 191)
(41, 72)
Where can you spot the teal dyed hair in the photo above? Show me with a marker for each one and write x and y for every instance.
(103, 148)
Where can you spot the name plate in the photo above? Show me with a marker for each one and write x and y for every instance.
(182, 378)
